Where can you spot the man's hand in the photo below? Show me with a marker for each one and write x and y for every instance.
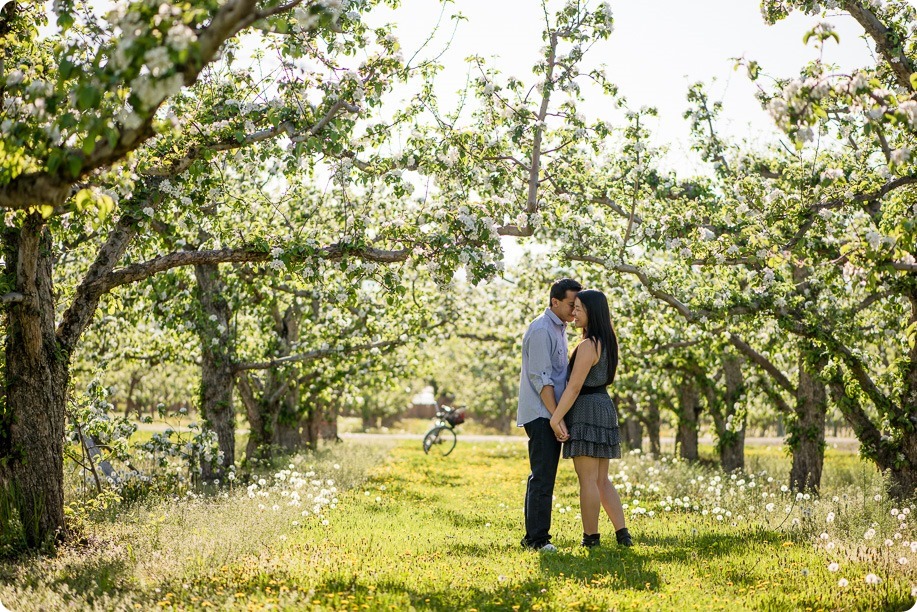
(560, 429)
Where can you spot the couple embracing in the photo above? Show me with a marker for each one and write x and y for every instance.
(565, 407)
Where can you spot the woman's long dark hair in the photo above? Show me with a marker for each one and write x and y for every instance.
(598, 327)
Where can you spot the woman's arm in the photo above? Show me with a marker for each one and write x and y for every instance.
(585, 359)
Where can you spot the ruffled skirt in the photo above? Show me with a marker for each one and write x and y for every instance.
(592, 423)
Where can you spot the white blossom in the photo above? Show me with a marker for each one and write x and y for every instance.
(900, 156)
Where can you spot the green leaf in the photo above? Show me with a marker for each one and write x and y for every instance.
(74, 165)
(64, 22)
(82, 199)
(914, 80)
(66, 68)
(87, 97)
(106, 204)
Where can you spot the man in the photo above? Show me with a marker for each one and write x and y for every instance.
(541, 383)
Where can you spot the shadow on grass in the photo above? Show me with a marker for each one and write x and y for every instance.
(614, 566)
(630, 568)
(93, 576)
(97, 576)
(707, 545)
(461, 520)
(884, 597)
(446, 597)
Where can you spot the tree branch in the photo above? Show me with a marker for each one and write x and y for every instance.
(775, 396)
(853, 363)
(287, 127)
(867, 200)
(514, 230)
(669, 299)
(86, 299)
(140, 271)
(670, 345)
(873, 298)
(763, 362)
(13, 297)
(886, 42)
(535, 165)
(53, 188)
(866, 431)
(487, 338)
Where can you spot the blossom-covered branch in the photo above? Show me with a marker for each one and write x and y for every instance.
(140, 271)
(886, 40)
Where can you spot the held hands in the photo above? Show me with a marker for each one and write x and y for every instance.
(560, 429)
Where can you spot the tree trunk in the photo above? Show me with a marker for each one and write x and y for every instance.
(652, 421)
(288, 431)
(328, 428)
(36, 377)
(903, 481)
(288, 436)
(631, 427)
(262, 420)
(732, 455)
(633, 434)
(131, 405)
(217, 372)
(310, 427)
(688, 416)
(731, 443)
(807, 438)
(263, 429)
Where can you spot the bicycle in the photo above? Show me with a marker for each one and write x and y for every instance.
(442, 436)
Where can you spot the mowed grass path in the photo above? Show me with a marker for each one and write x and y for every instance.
(443, 533)
(412, 531)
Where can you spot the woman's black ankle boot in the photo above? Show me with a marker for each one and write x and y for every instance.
(623, 537)
(590, 540)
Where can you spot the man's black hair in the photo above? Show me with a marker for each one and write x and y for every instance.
(560, 288)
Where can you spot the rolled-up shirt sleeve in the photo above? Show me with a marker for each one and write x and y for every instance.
(539, 359)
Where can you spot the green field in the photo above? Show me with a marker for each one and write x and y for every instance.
(377, 526)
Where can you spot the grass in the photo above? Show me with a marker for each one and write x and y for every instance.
(402, 530)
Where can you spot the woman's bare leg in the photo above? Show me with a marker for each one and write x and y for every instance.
(609, 495)
(587, 470)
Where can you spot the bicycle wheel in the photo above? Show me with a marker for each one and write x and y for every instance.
(440, 439)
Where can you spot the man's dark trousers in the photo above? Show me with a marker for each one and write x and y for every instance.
(544, 455)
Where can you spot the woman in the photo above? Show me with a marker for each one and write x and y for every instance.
(586, 420)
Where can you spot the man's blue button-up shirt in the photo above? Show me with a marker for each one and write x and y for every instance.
(544, 362)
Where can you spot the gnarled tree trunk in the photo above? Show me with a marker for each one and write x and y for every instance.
(288, 434)
(688, 418)
(731, 443)
(807, 438)
(217, 367)
(260, 421)
(36, 376)
(272, 400)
